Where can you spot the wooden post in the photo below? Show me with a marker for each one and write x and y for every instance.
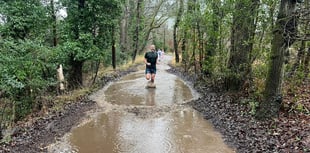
(61, 79)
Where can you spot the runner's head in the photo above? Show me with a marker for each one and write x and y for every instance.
(152, 47)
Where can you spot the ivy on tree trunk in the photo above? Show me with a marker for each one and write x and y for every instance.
(242, 36)
(283, 37)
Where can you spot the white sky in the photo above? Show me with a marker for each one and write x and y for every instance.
(62, 13)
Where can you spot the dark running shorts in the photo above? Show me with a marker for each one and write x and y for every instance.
(150, 70)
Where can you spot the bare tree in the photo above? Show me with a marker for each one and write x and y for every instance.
(156, 14)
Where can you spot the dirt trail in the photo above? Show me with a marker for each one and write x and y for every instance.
(133, 119)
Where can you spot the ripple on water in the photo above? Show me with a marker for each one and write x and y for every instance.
(165, 145)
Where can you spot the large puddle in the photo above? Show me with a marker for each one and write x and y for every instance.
(133, 119)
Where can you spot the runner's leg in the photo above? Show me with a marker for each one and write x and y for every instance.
(147, 74)
(153, 77)
(153, 73)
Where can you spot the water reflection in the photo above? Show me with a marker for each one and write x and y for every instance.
(178, 131)
(131, 91)
(150, 97)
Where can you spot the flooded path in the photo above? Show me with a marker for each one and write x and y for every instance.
(133, 119)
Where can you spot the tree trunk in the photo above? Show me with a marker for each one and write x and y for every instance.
(54, 28)
(300, 63)
(124, 28)
(136, 36)
(184, 53)
(189, 35)
(283, 36)
(243, 30)
(212, 37)
(307, 61)
(300, 58)
(200, 47)
(75, 78)
(175, 27)
(194, 42)
(75, 73)
(97, 66)
(113, 48)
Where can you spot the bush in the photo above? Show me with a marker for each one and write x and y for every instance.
(25, 72)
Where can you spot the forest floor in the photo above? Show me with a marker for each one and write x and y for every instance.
(289, 133)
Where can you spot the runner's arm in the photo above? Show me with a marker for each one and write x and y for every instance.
(145, 61)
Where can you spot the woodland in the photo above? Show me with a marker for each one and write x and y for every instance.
(255, 51)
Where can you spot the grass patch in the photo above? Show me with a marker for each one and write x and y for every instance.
(72, 96)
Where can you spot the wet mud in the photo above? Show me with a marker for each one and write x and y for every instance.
(134, 119)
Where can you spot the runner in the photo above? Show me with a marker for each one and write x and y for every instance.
(150, 59)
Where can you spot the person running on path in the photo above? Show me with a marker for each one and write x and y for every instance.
(150, 60)
(159, 52)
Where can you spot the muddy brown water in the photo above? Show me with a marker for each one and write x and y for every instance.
(133, 119)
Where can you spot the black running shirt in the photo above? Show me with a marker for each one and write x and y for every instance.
(151, 57)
